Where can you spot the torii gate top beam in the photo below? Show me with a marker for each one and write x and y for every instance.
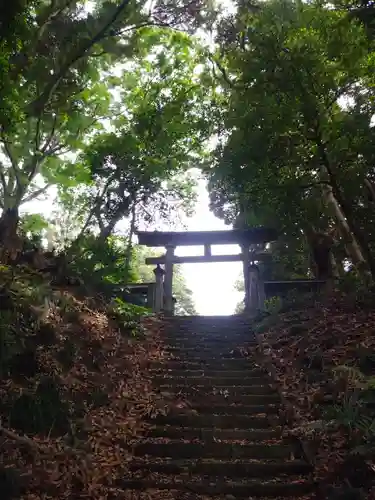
(191, 238)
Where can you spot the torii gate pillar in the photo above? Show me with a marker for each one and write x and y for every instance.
(168, 280)
(246, 264)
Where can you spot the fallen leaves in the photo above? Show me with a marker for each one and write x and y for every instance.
(304, 350)
(101, 383)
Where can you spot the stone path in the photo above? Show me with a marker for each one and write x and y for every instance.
(229, 445)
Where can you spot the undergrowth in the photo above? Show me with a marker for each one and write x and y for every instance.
(323, 356)
(73, 387)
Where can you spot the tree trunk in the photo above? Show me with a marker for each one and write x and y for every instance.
(335, 267)
(353, 248)
(370, 188)
(320, 244)
(106, 230)
(129, 246)
(338, 264)
(10, 242)
(360, 251)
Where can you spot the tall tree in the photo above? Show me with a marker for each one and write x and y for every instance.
(297, 147)
(141, 169)
(59, 76)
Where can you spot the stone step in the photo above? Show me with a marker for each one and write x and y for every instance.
(238, 409)
(221, 336)
(179, 449)
(207, 330)
(234, 469)
(200, 485)
(221, 397)
(211, 381)
(219, 421)
(210, 434)
(208, 389)
(224, 349)
(209, 340)
(229, 444)
(244, 335)
(233, 364)
(211, 373)
(201, 353)
(203, 356)
(194, 319)
(209, 326)
(203, 350)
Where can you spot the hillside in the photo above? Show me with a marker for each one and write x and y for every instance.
(321, 357)
(77, 390)
(74, 388)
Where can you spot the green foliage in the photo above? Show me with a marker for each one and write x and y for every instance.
(33, 223)
(129, 310)
(15, 26)
(273, 305)
(139, 169)
(101, 262)
(295, 141)
(33, 227)
(129, 316)
(366, 426)
(349, 413)
(265, 322)
(184, 305)
(354, 377)
(59, 86)
(352, 410)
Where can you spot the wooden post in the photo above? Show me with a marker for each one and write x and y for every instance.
(158, 302)
(150, 301)
(254, 302)
(168, 280)
(261, 291)
(246, 276)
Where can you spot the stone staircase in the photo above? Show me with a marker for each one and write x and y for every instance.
(228, 445)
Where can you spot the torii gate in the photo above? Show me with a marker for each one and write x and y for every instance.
(247, 239)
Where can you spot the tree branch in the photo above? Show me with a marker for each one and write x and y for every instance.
(37, 133)
(40, 102)
(223, 72)
(95, 206)
(51, 15)
(37, 193)
(2, 179)
(316, 184)
(99, 54)
(50, 137)
(11, 158)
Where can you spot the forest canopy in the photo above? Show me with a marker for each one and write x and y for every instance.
(111, 105)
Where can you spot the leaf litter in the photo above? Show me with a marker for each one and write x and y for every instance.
(317, 357)
(75, 391)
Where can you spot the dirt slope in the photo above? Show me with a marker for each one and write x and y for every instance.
(322, 358)
(74, 388)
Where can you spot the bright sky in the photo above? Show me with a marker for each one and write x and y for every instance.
(211, 283)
